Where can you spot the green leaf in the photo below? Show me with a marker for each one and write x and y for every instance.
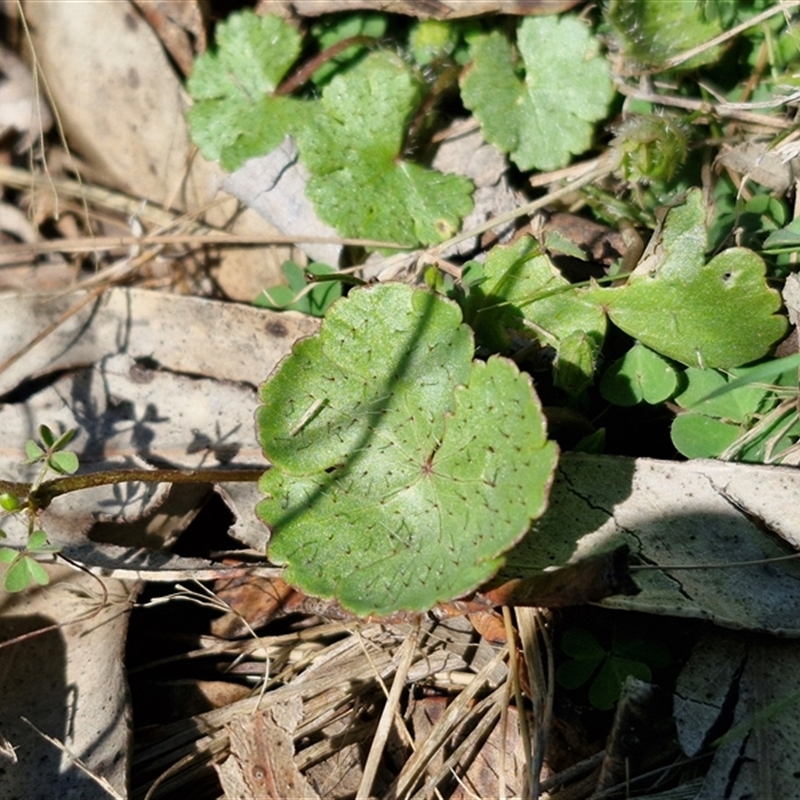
(64, 439)
(234, 116)
(573, 368)
(299, 296)
(47, 436)
(63, 462)
(788, 237)
(36, 571)
(22, 572)
(402, 470)
(10, 502)
(521, 284)
(606, 687)
(33, 451)
(698, 436)
(431, 39)
(580, 643)
(18, 576)
(775, 370)
(8, 554)
(37, 540)
(545, 118)
(668, 297)
(333, 28)
(352, 147)
(574, 673)
(722, 407)
(639, 375)
(652, 31)
(736, 405)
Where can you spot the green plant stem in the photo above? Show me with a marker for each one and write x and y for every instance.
(40, 497)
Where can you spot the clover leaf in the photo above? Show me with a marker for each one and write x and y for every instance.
(352, 146)
(712, 424)
(234, 116)
(716, 314)
(639, 375)
(628, 655)
(402, 469)
(549, 116)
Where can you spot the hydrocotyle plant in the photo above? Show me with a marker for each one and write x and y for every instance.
(403, 469)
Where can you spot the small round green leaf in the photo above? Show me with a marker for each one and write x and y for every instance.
(10, 502)
(36, 571)
(18, 576)
(47, 436)
(63, 462)
(606, 687)
(402, 469)
(639, 375)
(33, 451)
(37, 540)
(697, 436)
(739, 404)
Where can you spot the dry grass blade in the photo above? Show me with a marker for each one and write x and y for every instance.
(407, 652)
(488, 711)
(416, 765)
(533, 634)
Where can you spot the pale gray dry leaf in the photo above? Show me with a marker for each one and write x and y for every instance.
(70, 683)
(120, 102)
(763, 164)
(261, 761)
(143, 403)
(424, 9)
(680, 514)
(274, 186)
(22, 108)
(469, 154)
(127, 416)
(757, 678)
(189, 335)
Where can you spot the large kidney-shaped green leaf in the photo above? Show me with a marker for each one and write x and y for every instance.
(717, 314)
(402, 469)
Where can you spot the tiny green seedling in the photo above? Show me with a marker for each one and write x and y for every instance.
(50, 452)
(22, 567)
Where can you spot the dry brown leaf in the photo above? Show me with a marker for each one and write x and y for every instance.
(261, 761)
(180, 26)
